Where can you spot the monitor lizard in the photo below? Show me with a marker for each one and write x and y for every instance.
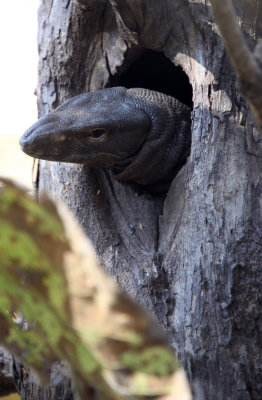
(142, 135)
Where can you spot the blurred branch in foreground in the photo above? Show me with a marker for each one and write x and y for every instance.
(56, 303)
(247, 65)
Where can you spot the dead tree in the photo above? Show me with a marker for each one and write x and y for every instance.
(193, 257)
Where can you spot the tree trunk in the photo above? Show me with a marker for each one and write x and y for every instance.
(6, 373)
(194, 257)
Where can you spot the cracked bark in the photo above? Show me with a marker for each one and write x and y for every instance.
(194, 260)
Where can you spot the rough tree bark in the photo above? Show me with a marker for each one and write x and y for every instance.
(193, 258)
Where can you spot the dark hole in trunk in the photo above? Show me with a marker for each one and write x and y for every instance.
(153, 70)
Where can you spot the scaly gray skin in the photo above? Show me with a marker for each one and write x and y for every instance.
(144, 136)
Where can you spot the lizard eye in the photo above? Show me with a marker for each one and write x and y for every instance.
(97, 135)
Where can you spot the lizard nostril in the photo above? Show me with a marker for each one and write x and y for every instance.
(24, 143)
(24, 140)
(21, 143)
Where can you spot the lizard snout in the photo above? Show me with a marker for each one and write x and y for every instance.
(24, 141)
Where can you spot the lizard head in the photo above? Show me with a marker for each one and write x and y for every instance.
(102, 129)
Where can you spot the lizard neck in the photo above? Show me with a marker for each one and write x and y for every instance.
(167, 144)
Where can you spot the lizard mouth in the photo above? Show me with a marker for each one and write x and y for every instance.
(99, 160)
(122, 163)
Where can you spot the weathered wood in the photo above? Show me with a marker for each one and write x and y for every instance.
(195, 258)
(6, 373)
